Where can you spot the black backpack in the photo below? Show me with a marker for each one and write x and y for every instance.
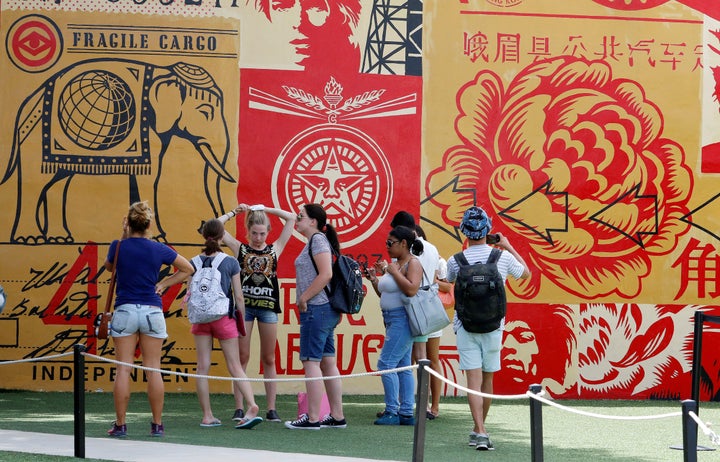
(346, 292)
(480, 300)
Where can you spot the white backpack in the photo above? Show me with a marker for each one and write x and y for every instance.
(206, 300)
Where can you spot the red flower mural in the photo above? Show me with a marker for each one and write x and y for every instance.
(572, 164)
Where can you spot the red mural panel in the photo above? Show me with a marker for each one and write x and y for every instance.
(596, 351)
(344, 142)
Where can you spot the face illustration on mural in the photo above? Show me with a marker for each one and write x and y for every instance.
(319, 33)
(520, 349)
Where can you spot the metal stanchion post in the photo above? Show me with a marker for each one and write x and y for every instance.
(420, 410)
(690, 430)
(536, 428)
(700, 319)
(79, 400)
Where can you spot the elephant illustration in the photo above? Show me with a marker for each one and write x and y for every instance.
(96, 117)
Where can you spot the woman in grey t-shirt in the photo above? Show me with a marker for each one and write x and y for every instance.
(318, 320)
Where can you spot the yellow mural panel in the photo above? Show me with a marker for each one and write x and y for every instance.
(577, 125)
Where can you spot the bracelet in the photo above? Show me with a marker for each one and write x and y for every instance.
(233, 213)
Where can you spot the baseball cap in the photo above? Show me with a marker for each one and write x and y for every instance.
(475, 223)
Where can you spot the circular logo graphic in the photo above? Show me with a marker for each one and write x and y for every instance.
(34, 43)
(631, 5)
(340, 168)
(504, 3)
(97, 110)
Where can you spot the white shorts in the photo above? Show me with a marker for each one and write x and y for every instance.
(479, 351)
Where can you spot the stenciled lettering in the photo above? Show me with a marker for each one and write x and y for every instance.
(187, 42)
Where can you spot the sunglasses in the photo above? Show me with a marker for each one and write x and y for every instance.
(390, 242)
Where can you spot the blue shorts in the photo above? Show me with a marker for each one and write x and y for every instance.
(317, 332)
(261, 314)
(130, 319)
(479, 351)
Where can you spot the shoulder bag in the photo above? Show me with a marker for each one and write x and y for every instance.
(426, 313)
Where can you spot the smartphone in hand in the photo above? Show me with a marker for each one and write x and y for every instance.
(492, 239)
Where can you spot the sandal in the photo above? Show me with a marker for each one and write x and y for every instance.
(214, 423)
(247, 423)
(430, 415)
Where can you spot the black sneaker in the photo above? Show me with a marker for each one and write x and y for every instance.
(272, 416)
(118, 431)
(331, 422)
(239, 414)
(157, 430)
(303, 423)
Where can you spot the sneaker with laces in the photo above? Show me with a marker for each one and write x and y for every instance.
(303, 423)
(472, 442)
(388, 418)
(157, 430)
(239, 414)
(118, 431)
(484, 443)
(407, 420)
(272, 416)
(331, 422)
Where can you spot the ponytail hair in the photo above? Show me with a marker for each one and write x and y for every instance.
(403, 233)
(317, 213)
(213, 232)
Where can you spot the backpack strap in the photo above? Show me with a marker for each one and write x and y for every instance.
(494, 256)
(217, 259)
(197, 261)
(460, 259)
(327, 291)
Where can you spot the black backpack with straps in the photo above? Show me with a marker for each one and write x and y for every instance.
(346, 292)
(480, 300)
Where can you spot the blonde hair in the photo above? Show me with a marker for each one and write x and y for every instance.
(140, 216)
(256, 217)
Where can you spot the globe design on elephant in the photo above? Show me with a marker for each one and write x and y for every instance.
(97, 110)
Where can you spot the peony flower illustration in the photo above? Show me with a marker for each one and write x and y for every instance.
(572, 166)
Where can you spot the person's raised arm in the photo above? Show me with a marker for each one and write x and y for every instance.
(290, 219)
(228, 239)
(504, 243)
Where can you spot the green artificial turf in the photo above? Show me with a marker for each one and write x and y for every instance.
(567, 436)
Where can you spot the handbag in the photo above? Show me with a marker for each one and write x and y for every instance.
(102, 323)
(426, 313)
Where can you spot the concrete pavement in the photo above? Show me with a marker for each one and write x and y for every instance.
(136, 451)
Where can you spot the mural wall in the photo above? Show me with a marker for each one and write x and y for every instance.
(587, 129)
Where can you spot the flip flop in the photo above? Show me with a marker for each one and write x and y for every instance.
(247, 423)
(214, 423)
(430, 415)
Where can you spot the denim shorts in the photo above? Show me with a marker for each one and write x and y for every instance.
(479, 351)
(221, 329)
(129, 319)
(261, 314)
(317, 332)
